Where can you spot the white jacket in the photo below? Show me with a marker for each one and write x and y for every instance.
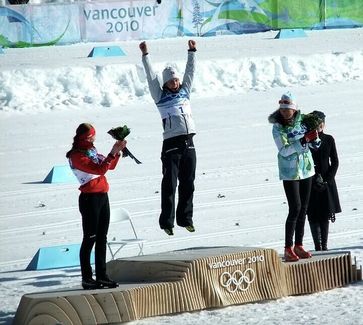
(174, 108)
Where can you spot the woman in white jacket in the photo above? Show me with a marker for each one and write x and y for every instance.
(178, 156)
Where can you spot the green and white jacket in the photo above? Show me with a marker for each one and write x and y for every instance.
(295, 161)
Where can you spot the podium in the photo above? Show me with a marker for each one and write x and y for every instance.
(189, 280)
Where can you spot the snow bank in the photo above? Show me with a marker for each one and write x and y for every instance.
(38, 90)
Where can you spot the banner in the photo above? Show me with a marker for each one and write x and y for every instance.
(27, 25)
(110, 21)
(65, 23)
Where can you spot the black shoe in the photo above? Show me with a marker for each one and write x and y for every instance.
(318, 248)
(169, 231)
(106, 282)
(89, 284)
(190, 228)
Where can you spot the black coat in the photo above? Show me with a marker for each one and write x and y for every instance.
(324, 204)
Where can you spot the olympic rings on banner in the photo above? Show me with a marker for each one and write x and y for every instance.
(238, 280)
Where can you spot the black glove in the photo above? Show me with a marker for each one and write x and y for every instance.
(125, 152)
(318, 183)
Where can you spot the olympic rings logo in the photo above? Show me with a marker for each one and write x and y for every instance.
(238, 280)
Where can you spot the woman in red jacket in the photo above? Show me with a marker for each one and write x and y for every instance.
(90, 168)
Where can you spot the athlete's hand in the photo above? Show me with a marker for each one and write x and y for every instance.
(310, 136)
(192, 45)
(143, 48)
(118, 146)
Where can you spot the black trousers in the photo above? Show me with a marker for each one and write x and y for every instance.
(95, 211)
(298, 195)
(179, 163)
(320, 232)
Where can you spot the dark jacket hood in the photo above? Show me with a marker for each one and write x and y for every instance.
(275, 117)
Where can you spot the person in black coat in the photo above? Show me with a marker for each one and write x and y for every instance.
(324, 200)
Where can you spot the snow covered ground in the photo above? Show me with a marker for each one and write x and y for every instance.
(46, 92)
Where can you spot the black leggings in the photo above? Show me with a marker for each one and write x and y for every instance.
(95, 211)
(298, 195)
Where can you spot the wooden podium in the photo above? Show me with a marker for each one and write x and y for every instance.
(189, 280)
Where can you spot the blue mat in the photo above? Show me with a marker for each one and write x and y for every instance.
(60, 174)
(102, 51)
(291, 33)
(54, 257)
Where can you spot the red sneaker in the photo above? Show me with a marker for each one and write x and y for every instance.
(301, 252)
(290, 255)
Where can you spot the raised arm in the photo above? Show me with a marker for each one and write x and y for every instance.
(152, 79)
(190, 66)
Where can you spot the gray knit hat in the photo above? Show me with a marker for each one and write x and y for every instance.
(169, 73)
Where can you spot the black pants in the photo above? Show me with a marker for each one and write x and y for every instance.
(298, 195)
(320, 231)
(95, 211)
(179, 163)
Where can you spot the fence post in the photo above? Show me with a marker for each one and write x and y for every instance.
(81, 21)
(275, 4)
(323, 13)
